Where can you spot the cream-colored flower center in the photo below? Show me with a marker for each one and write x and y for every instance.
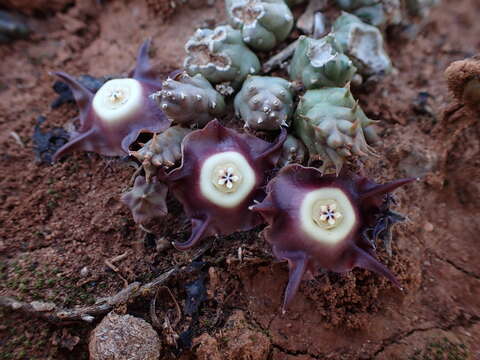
(327, 215)
(118, 99)
(226, 179)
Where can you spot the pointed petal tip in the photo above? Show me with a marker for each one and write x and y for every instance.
(62, 75)
(297, 269)
(182, 246)
(367, 261)
(199, 228)
(56, 157)
(142, 67)
(145, 47)
(388, 187)
(265, 207)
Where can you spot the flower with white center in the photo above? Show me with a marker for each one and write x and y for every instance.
(111, 119)
(318, 221)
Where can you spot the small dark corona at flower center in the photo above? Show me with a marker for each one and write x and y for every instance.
(117, 96)
(326, 214)
(226, 178)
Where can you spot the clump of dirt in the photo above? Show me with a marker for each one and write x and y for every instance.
(62, 227)
(236, 340)
(464, 81)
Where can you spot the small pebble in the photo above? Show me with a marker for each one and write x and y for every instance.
(84, 272)
(428, 227)
(124, 337)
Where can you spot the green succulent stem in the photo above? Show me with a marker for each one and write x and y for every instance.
(319, 63)
(333, 126)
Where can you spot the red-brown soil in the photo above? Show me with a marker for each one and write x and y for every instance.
(59, 223)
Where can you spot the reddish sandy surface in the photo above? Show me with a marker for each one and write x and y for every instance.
(56, 220)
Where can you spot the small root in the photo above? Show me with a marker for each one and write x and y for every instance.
(109, 263)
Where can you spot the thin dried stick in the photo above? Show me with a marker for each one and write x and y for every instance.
(109, 263)
(55, 314)
(51, 312)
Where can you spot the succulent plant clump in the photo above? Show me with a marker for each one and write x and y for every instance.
(374, 12)
(263, 23)
(321, 221)
(319, 63)
(264, 102)
(363, 44)
(189, 101)
(146, 200)
(333, 126)
(113, 117)
(222, 177)
(221, 56)
(163, 150)
(222, 173)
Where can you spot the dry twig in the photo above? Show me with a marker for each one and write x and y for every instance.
(51, 312)
(55, 314)
(278, 59)
(110, 262)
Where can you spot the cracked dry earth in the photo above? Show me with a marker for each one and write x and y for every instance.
(60, 223)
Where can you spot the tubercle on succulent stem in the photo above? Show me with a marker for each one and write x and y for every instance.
(320, 224)
(264, 24)
(113, 117)
(221, 174)
(162, 151)
(220, 55)
(265, 102)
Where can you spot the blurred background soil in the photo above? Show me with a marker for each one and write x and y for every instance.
(60, 223)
